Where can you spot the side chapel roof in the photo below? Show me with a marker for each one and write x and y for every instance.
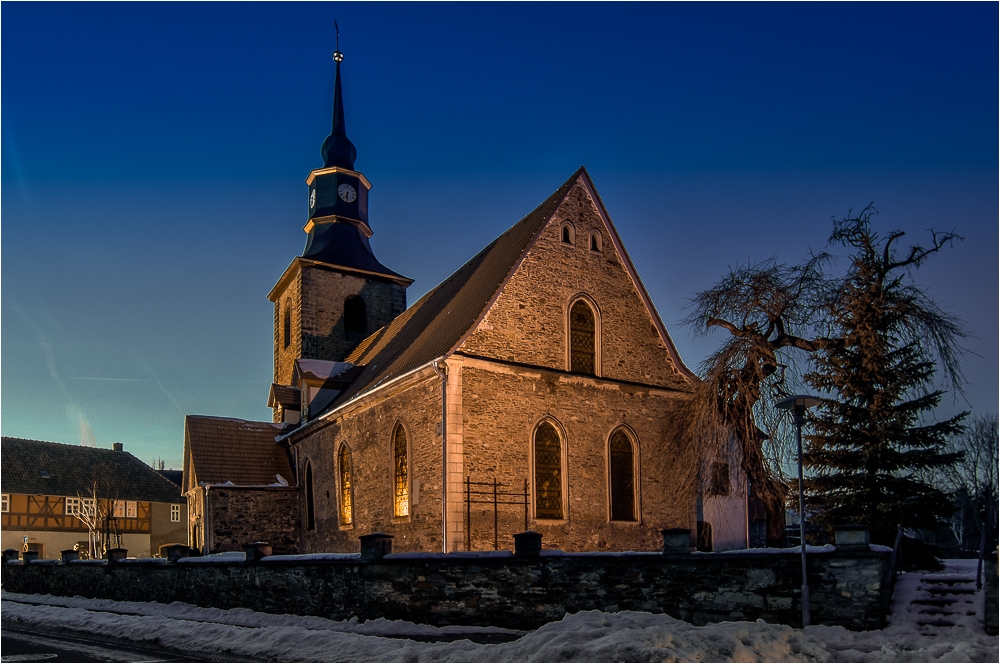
(222, 449)
(37, 467)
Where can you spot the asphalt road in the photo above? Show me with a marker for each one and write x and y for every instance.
(18, 646)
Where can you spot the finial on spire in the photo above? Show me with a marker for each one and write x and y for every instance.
(337, 148)
(338, 57)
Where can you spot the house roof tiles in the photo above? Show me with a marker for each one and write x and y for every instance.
(37, 467)
(224, 449)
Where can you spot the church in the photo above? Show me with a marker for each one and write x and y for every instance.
(536, 388)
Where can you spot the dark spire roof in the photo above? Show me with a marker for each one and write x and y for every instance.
(344, 245)
(337, 148)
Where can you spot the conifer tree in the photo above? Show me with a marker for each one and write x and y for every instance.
(872, 441)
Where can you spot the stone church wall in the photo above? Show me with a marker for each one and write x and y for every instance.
(502, 407)
(528, 321)
(239, 515)
(367, 430)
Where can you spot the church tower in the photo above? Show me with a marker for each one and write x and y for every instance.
(336, 293)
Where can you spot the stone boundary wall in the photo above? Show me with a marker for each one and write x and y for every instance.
(847, 588)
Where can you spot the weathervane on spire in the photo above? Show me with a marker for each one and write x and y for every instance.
(337, 55)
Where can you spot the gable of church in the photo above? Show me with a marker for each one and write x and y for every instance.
(573, 302)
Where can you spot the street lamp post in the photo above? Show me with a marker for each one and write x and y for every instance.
(797, 405)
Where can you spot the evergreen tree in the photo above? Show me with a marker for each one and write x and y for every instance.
(871, 442)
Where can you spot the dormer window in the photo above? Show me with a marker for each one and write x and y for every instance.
(568, 234)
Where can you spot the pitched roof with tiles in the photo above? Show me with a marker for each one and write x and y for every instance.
(222, 449)
(37, 467)
(438, 321)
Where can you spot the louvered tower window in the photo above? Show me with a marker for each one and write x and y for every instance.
(401, 502)
(346, 504)
(581, 338)
(622, 462)
(548, 473)
(355, 317)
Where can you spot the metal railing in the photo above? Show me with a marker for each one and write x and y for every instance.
(496, 494)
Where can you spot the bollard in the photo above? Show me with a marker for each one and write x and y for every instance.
(852, 537)
(69, 555)
(676, 541)
(528, 543)
(9, 554)
(28, 556)
(257, 550)
(375, 546)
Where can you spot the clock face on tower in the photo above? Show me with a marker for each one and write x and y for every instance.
(347, 193)
(312, 199)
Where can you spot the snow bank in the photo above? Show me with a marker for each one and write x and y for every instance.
(246, 635)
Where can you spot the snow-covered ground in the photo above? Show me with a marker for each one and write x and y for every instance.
(243, 635)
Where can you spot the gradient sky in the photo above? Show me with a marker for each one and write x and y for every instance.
(154, 157)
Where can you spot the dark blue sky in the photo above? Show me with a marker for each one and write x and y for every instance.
(154, 156)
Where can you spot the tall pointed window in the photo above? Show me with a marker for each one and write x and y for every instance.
(346, 486)
(310, 503)
(401, 498)
(355, 317)
(548, 473)
(287, 331)
(622, 468)
(581, 339)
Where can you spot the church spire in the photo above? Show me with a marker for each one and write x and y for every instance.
(337, 148)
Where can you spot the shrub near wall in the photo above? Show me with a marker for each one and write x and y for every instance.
(500, 589)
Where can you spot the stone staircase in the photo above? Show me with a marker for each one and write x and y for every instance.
(943, 600)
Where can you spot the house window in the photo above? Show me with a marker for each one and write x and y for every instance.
(310, 501)
(346, 504)
(595, 241)
(88, 506)
(119, 509)
(175, 513)
(401, 502)
(287, 332)
(131, 509)
(355, 317)
(4, 503)
(621, 456)
(582, 332)
(548, 473)
(568, 234)
(72, 506)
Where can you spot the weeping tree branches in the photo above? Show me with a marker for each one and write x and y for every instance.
(781, 318)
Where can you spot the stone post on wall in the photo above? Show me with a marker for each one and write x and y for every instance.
(676, 541)
(375, 546)
(527, 544)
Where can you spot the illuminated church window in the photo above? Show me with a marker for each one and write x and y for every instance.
(581, 339)
(346, 486)
(401, 502)
(621, 457)
(548, 473)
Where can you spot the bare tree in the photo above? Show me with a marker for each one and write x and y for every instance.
(97, 511)
(972, 482)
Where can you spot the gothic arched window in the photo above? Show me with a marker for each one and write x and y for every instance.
(310, 504)
(621, 458)
(568, 233)
(595, 241)
(355, 316)
(582, 336)
(346, 486)
(401, 493)
(287, 338)
(548, 473)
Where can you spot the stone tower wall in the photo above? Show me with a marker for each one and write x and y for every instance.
(316, 297)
